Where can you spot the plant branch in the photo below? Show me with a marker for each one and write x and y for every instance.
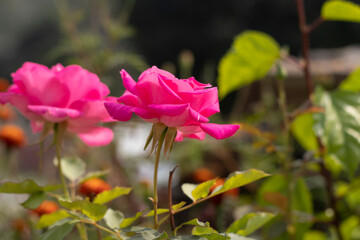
(171, 211)
(116, 234)
(315, 24)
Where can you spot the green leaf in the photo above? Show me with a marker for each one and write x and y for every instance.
(107, 196)
(352, 82)
(302, 130)
(239, 179)
(200, 230)
(202, 190)
(58, 232)
(215, 236)
(250, 223)
(128, 221)
(194, 222)
(187, 189)
(251, 56)
(34, 200)
(339, 126)
(113, 218)
(338, 10)
(73, 168)
(47, 220)
(234, 236)
(92, 210)
(315, 235)
(183, 237)
(159, 211)
(348, 226)
(179, 205)
(27, 186)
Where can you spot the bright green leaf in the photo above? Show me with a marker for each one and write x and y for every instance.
(194, 222)
(348, 226)
(72, 168)
(159, 211)
(47, 220)
(58, 232)
(302, 129)
(34, 200)
(179, 205)
(92, 210)
(187, 189)
(107, 196)
(200, 230)
(339, 126)
(27, 186)
(338, 10)
(352, 82)
(251, 56)
(215, 236)
(315, 235)
(250, 223)
(113, 218)
(202, 190)
(128, 221)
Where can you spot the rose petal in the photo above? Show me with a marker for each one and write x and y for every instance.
(97, 136)
(118, 111)
(219, 131)
(54, 114)
(169, 109)
(128, 82)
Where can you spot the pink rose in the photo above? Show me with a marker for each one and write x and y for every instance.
(159, 97)
(59, 94)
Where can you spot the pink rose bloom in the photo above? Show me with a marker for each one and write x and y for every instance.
(159, 97)
(59, 94)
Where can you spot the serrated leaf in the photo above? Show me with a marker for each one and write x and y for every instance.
(113, 218)
(352, 82)
(47, 220)
(58, 232)
(159, 211)
(72, 168)
(239, 179)
(94, 174)
(202, 190)
(34, 200)
(339, 126)
(194, 222)
(200, 230)
(128, 221)
(179, 205)
(338, 10)
(187, 189)
(109, 195)
(92, 210)
(251, 56)
(250, 223)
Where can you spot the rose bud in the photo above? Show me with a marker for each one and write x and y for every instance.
(46, 207)
(12, 135)
(202, 174)
(93, 186)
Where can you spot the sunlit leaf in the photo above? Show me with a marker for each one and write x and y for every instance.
(92, 210)
(159, 211)
(339, 10)
(315, 235)
(194, 222)
(349, 226)
(47, 220)
(187, 189)
(200, 230)
(352, 82)
(109, 195)
(302, 130)
(202, 190)
(113, 218)
(251, 56)
(72, 168)
(58, 232)
(179, 205)
(249, 223)
(34, 200)
(339, 126)
(128, 221)
(26, 186)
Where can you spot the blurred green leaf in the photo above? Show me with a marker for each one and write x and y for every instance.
(348, 226)
(47, 220)
(215, 236)
(179, 205)
(34, 200)
(94, 174)
(187, 189)
(200, 230)
(202, 190)
(128, 221)
(113, 218)
(338, 10)
(302, 130)
(315, 235)
(352, 82)
(251, 56)
(92, 210)
(159, 211)
(72, 168)
(26, 186)
(109, 195)
(339, 126)
(273, 184)
(250, 223)
(194, 222)
(58, 232)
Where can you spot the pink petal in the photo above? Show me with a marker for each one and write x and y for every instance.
(219, 131)
(197, 116)
(36, 126)
(128, 81)
(56, 94)
(118, 111)
(128, 99)
(168, 109)
(54, 114)
(97, 136)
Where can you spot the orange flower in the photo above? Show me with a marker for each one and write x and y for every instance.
(46, 207)
(6, 113)
(231, 193)
(203, 174)
(90, 188)
(4, 84)
(12, 135)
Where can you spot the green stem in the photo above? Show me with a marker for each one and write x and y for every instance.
(63, 182)
(116, 234)
(157, 160)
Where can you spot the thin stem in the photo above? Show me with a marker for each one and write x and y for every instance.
(315, 24)
(157, 160)
(63, 182)
(116, 234)
(171, 211)
(98, 233)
